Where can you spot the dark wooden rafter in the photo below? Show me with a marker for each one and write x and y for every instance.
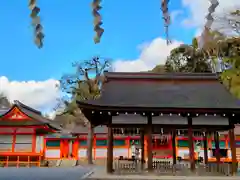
(205, 145)
(233, 148)
(174, 146)
(142, 132)
(110, 147)
(217, 148)
(191, 146)
(185, 112)
(149, 143)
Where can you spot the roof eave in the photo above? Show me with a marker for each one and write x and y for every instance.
(99, 107)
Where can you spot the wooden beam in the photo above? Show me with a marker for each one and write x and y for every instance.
(149, 147)
(110, 148)
(217, 149)
(168, 127)
(205, 145)
(174, 147)
(233, 149)
(142, 148)
(191, 146)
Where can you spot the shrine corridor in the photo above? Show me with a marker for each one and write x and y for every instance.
(43, 173)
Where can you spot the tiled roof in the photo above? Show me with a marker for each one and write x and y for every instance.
(35, 115)
(3, 111)
(145, 90)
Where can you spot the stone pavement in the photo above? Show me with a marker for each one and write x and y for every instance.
(99, 173)
(74, 173)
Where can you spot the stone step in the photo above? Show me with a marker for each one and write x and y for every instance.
(68, 163)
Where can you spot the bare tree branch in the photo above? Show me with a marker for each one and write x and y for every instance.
(229, 22)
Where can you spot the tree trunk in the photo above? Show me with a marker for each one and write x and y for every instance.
(90, 143)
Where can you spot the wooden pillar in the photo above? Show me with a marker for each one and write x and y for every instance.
(205, 146)
(226, 141)
(191, 146)
(94, 146)
(90, 143)
(110, 148)
(174, 147)
(149, 139)
(217, 149)
(233, 150)
(142, 148)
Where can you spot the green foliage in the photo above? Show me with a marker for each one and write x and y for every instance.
(158, 69)
(189, 58)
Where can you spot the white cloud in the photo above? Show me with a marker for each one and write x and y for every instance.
(199, 10)
(175, 15)
(41, 95)
(152, 54)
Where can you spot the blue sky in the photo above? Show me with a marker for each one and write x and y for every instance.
(69, 34)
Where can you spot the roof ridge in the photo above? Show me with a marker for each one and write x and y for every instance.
(21, 105)
(151, 75)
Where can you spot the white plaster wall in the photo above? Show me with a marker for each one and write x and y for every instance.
(6, 143)
(120, 152)
(39, 143)
(210, 154)
(23, 143)
(201, 153)
(229, 153)
(183, 153)
(101, 152)
(82, 153)
(52, 153)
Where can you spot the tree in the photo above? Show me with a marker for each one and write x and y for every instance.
(84, 84)
(218, 54)
(158, 69)
(230, 54)
(229, 22)
(187, 58)
(4, 102)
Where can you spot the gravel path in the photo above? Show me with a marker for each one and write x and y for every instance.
(43, 173)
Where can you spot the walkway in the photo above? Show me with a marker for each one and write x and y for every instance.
(43, 173)
(100, 174)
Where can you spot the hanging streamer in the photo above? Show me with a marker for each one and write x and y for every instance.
(205, 34)
(38, 29)
(166, 18)
(97, 20)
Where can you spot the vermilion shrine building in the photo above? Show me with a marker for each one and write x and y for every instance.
(174, 105)
(164, 103)
(22, 132)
